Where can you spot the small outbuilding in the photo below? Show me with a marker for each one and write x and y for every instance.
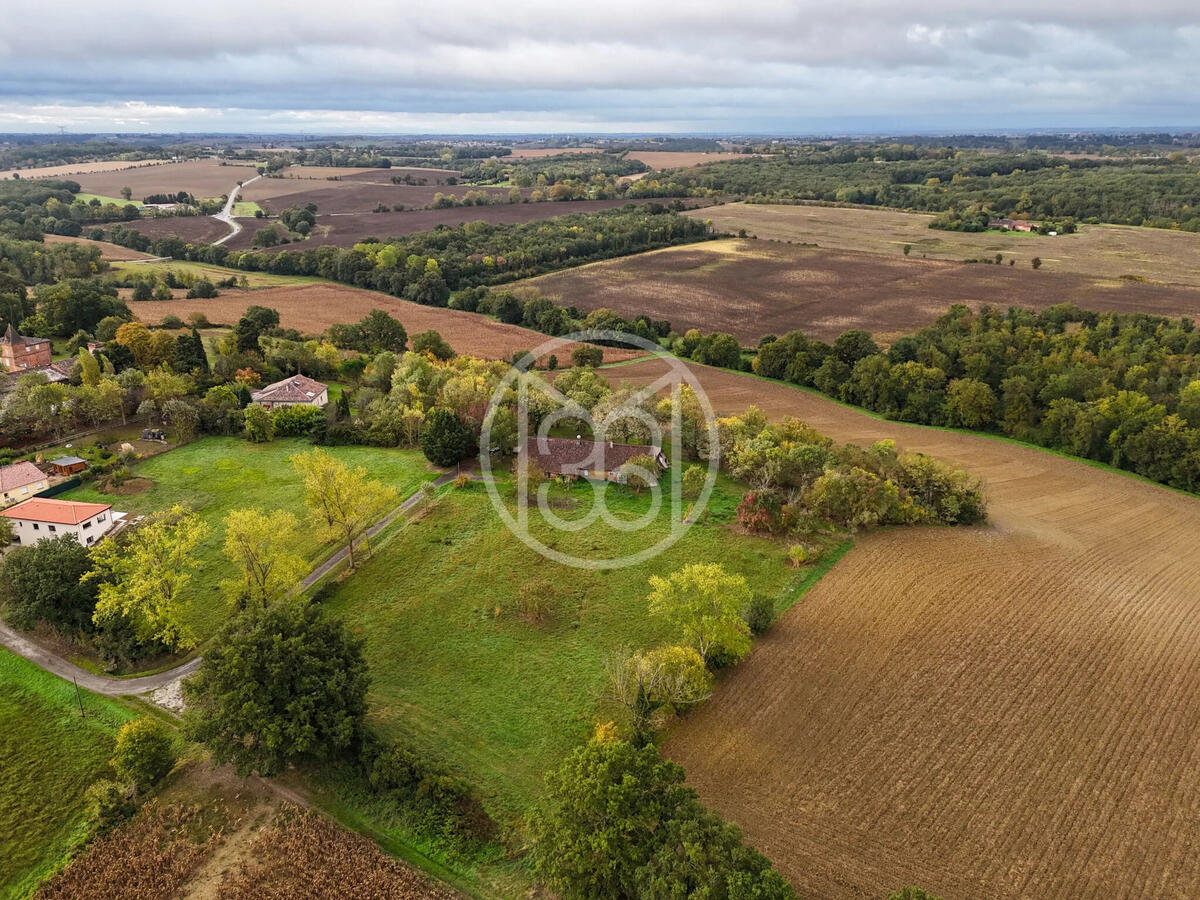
(67, 465)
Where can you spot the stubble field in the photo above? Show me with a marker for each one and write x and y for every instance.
(999, 712)
(70, 170)
(1097, 251)
(108, 252)
(199, 177)
(675, 159)
(750, 288)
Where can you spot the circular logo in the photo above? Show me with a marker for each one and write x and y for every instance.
(650, 452)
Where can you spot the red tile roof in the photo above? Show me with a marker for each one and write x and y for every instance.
(18, 475)
(59, 512)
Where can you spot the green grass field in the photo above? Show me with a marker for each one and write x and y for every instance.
(49, 757)
(246, 208)
(119, 201)
(215, 475)
(465, 679)
(215, 273)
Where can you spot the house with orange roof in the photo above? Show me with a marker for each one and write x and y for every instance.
(44, 518)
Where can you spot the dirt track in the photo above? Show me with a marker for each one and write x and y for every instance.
(1009, 711)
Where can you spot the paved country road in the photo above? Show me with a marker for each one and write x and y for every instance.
(226, 214)
(144, 684)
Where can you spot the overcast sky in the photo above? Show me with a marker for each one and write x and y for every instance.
(469, 66)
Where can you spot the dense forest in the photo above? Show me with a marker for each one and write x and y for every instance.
(1119, 388)
(1162, 192)
(29, 209)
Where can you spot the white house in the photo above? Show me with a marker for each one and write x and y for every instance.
(20, 481)
(299, 390)
(43, 518)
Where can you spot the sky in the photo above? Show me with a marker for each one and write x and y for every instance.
(622, 66)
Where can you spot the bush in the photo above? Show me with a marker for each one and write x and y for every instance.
(145, 752)
(108, 803)
(692, 482)
(761, 614)
(587, 355)
(537, 600)
(290, 421)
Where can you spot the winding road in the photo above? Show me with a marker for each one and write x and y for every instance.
(226, 214)
(13, 640)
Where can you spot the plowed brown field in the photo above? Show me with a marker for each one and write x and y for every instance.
(199, 177)
(751, 288)
(1008, 711)
(312, 308)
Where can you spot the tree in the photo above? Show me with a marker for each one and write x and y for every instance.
(641, 472)
(851, 346)
(618, 822)
(127, 192)
(89, 369)
(142, 574)
(41, 583)
(1189, 403)
(259, 546)
(649, 683)
(279, 684)
(587, 355)
(970, 403)
(382, 332)
(7, 532)
(706, 602)
(144, 753)
(260, 429)
(342, 501)
(183, 417)
(445, 439)
(1036, 262)
(432, 342)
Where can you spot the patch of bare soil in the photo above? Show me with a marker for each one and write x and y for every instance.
(1007, 711)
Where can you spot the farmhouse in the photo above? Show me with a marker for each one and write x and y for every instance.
(299, 390)
(42, 518)
(67, 465)
(19, 353)
(1011, 224)
(20, 481)
(588, 459)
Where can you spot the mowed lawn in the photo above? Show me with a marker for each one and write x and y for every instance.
(48, 758)
(217, 474)
(457, 672)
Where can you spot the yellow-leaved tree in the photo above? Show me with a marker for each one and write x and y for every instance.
(143, 574)
(260, 546)
(342, 502)
(706, 602)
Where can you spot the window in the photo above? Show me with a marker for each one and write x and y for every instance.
(100, 518)
(87, 524)
(35, 526)
(90, 539)
(51, 527)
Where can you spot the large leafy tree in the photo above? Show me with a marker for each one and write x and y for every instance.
(706, 603)
(445, 439)
(42, 583)
(142, 575)
(259, 546)
(618, 822)
(342, 502)
(280, 684)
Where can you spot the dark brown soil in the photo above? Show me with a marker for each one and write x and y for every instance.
(752, 288)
